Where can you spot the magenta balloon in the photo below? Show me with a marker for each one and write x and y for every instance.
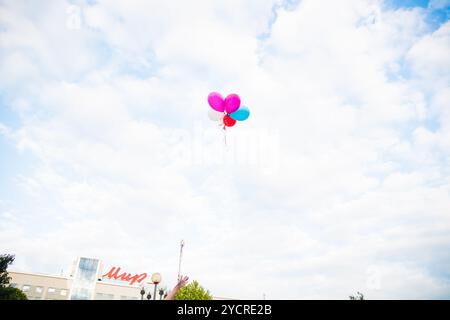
(216, 102)
(232, 103)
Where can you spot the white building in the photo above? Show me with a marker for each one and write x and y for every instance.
(85, 282)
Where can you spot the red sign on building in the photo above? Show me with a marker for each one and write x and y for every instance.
(115, 274)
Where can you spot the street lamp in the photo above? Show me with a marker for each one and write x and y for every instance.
(142, 292)
(161, 293)
(156, 278)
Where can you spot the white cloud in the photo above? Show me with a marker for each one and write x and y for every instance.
(361, 186)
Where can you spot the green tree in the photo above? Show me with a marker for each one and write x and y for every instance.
(10, 293)
(5, 261)
(193, 291)
(7, 292)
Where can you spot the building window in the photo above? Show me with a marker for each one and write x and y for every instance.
(13, 285)
(63, 292)
(26, 288)
(51, 290)
(104, 296)
(38, 289)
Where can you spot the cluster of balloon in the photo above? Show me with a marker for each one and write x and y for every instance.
(228, 110)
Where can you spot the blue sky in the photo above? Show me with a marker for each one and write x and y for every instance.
(437, 11)
(14, 162)
(338, 182)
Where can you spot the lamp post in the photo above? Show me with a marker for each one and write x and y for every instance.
(156, 278)
(142, 292)
(161, 293)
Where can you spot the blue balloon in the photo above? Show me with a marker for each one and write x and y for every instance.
(240, 114)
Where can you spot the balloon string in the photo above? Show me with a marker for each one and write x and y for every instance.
(225, 134)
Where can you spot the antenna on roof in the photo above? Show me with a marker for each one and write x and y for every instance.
(179, 261)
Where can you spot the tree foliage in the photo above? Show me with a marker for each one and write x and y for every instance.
(10, 293)
(193, 291)
(358, 296)
(5, 261)
(7, 292)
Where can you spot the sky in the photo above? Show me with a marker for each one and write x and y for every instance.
(338, 182)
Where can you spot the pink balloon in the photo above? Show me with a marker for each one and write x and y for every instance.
(216, 102)
(232, 103)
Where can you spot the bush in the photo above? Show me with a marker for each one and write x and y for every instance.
(193, 291)
(10, 293)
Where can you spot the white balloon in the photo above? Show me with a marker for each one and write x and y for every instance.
(215, 115)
